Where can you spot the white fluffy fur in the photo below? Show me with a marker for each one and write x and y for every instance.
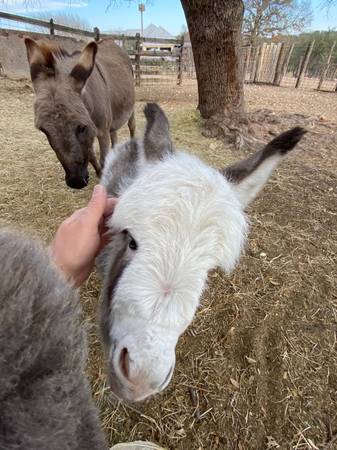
(186, 220)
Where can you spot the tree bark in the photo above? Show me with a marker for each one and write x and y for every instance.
(215, 33)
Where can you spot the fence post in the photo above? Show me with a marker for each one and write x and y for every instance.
(97, 34)
(298, 67)
(255, 51)
(137, 59)
(304, 64)
(246, 63)
(326, 68)
(274, 57)
(259, 62)
(180, 62)
(285, 69)
(51, 27)
(279, 71)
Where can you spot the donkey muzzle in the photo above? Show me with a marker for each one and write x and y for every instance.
(78, 181)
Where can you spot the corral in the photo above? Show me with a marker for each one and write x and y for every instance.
(257, 369)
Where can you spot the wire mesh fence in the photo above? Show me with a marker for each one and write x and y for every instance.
(297, 65)
(158, 69)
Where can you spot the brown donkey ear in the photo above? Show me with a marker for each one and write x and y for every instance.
(82, 70)
(157, 141)
(250, 175)
(41, 60)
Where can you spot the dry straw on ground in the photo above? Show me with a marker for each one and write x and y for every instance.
(257, 369)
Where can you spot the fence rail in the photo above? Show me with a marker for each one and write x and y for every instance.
(96, 34)
(145, 62)
(51, 25)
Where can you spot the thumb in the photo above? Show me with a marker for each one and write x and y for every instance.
(97, 203)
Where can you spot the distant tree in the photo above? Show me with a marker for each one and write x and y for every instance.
(266, 18)
(70, 20)
(26, 3)
(323, 43)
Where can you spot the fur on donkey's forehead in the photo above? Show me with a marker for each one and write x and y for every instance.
(182, 200)
(57, 103)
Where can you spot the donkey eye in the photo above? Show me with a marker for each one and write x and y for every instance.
(80, 130)
(133, 245)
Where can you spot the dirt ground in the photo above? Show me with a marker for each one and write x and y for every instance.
(258, 367)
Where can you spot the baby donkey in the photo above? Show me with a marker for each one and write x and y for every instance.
(176, 219)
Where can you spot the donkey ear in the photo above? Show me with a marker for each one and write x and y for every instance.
(41, 60)
(157, 141)
(82, 70)
(250, 175)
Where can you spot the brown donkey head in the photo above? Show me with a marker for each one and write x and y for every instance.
(60, 113)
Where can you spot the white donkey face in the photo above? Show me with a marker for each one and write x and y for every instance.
(177, 220)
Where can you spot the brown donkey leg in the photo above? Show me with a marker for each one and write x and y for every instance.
(132, 125)
(104, 146)
(94, 162)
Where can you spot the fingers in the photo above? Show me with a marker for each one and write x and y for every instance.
(97, 203)
(98, 210)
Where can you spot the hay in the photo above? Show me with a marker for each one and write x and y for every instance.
(257, 368)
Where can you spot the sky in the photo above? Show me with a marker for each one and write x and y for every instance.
(123, 14)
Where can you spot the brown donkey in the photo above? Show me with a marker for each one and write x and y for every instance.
(80, 96)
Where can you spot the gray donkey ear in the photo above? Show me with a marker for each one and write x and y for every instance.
(250, 175)
(82, 70)
(40, 58)
(157, 141)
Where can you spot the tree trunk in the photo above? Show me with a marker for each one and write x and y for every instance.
(215, 33)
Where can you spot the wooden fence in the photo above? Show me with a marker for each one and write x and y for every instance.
(146, 62)
(276, 64)
(282, 64)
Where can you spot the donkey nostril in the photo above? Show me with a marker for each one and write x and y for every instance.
(124, 362)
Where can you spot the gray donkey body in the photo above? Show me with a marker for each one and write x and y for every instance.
(45, 400)
(80, 96)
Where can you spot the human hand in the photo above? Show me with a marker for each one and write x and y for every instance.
(82, 236)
